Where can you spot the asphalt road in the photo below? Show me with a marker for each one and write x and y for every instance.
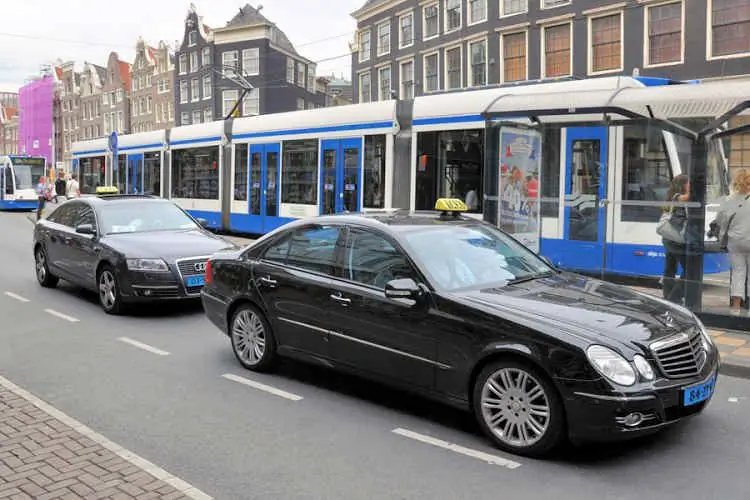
(309, 433)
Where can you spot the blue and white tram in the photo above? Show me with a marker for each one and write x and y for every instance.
(600, 189)
(18, 180)
(90, 164)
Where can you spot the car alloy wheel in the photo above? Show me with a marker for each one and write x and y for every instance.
(109, 291)
(43, 276)
(252, 340)
(518, 408)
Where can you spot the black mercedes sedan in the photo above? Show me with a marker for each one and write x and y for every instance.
(127, 248)
(457, 310)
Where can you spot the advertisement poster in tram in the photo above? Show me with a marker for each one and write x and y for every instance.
(520, 160)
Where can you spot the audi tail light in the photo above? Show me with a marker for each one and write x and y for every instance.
(209, 273)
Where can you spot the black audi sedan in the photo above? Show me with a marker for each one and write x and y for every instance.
(457, 310)
(127, 248)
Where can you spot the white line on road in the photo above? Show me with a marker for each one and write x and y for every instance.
(16, 296)
(62, 316)
(479, 455)
(145, 347)
(262, 387)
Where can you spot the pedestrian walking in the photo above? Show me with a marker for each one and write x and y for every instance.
(73, 190)
(734, 223)
(44, 193)
(60, 188)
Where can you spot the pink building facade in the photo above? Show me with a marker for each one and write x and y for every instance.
(35, 125)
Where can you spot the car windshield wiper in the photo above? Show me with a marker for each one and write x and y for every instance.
(531, 277)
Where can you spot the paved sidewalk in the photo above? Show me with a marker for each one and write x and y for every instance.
(46, 455)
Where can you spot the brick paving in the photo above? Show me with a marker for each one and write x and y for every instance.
(46, 455)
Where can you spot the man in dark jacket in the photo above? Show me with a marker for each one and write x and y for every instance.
(60, 186)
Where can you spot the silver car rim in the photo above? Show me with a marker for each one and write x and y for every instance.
(107, 290)
(515, 407)
(41, 269)
(249, 337)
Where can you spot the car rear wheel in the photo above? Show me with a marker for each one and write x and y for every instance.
(109, 291)
(253, 342)
(43, 276)
(519, 408)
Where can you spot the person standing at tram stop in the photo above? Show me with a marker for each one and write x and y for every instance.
(72, 189)
(734, 223)
(44, 193)
(676, 251)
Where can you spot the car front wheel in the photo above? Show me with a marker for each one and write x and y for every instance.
(253, 342)
(109, 291)
(43, 276)
(519, 408)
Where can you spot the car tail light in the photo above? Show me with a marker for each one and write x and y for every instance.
(209, 273)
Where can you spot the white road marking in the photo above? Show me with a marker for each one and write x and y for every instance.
(145, 347)
(262, 387)
(16, 296)
(62, 316)
(479, 455)
(140, 462)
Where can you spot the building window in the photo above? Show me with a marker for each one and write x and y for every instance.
(664, 33)
(453, 68)
(184, 94)
(195, 89)
(194, 66)
(514, 57)
(184, 118)
(431, 77)
(197, 115)
(207, 87)
(301, 74)
(431, 21)
(384, 38)
(364, 45)
(192, 38)
(478, 61)
(208, 115)
(374, 171)
(551, 4)
(195, 173)
(251, 61)
(384, 81)
(477, 11)
(289, 70)
(230, 63)
(183, 65)
(311, 77)
(365, 91)
(730, 27)
(299, 177)
(606, 43)
(228, 100)
(149, 103)
(300, 103)
(406, 30)
(406, 73)
(452, 15)
(513, 7)
(206, 56)
(557, 50)
(251, 103)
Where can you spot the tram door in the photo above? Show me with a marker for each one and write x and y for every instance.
(340, 167)
(585, 199)
(135, 173)
(264, 187)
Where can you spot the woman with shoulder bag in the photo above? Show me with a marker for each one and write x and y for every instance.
(734, 223)
(672, 230)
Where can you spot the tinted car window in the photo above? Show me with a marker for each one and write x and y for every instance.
(65, 214)
(372, 260)
(85, 215)
(142, 217)
(309, 248)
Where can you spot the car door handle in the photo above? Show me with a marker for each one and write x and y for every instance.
(340, 299)
(268, 281)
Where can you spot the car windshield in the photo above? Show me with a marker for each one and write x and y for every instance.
(137, 217)
(457, 257)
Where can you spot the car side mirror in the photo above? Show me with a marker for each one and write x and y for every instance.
(202, 222)
(404, 288)
(85, 229)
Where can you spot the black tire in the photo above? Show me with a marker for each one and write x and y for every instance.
(43, 275)
(247, 326)
(515, 408)
(111, 303)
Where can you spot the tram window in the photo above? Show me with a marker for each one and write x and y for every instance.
(550, 173)
(195, 173)
(374, 171)
(647, 174)
(152, 173)
(91, 174)
(8, 180)
(240, 171)
(450, 164)
(299, 172)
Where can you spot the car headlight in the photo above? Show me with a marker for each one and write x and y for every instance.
(611, 365)
(643, 367)
(706, 339)
(147, 265)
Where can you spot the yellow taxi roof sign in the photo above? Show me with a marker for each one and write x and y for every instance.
(451, 205)
(107, 190)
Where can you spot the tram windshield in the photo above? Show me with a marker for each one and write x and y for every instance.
(717, 168)
(28, 171)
